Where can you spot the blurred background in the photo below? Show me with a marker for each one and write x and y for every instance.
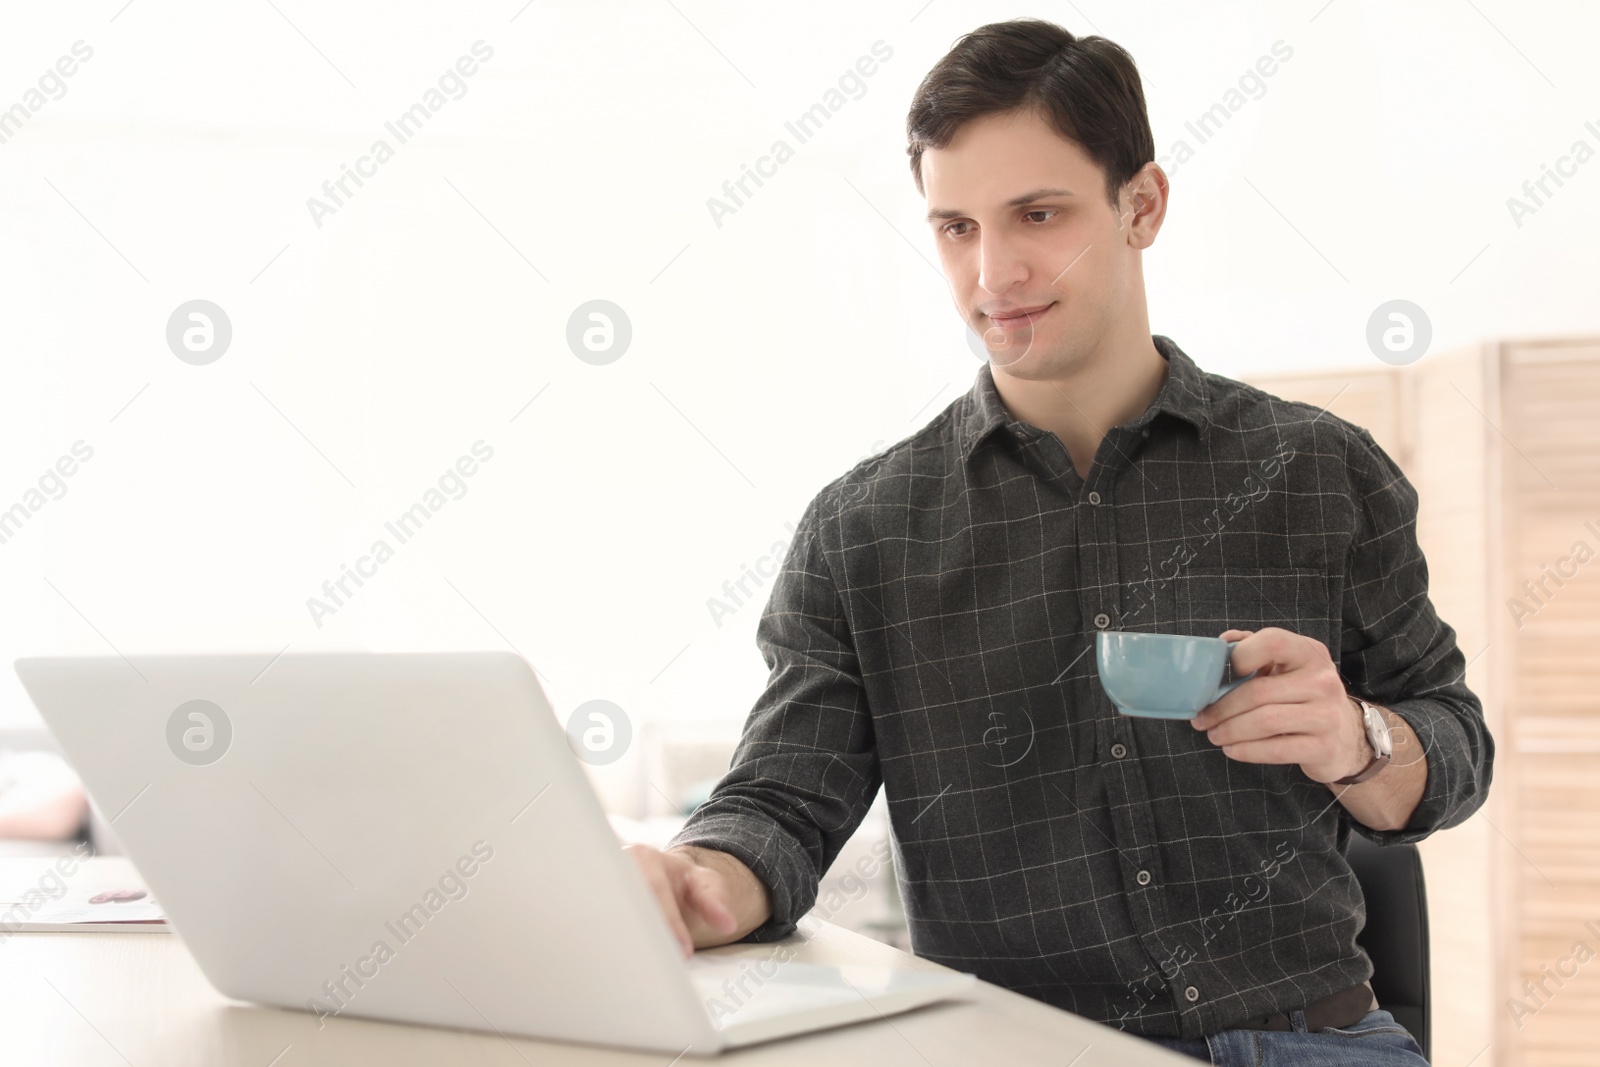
(281, 281)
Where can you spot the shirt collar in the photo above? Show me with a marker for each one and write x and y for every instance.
(1183, 394)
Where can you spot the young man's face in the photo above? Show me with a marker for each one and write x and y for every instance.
(1039, 263)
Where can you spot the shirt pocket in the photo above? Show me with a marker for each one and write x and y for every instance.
(1205, 601)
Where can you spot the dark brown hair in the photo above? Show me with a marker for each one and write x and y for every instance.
(1086, 87)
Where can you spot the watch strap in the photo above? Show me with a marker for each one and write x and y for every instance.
(1379, 761)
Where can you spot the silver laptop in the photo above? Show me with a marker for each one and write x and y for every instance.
(409, 837)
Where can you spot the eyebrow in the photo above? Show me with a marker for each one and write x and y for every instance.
(1016, 201)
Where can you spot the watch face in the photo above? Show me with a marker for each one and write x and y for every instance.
(1377, 730)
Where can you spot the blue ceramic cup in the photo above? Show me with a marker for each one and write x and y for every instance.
(1163, 676)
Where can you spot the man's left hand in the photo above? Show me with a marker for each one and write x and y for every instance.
(1295, 710)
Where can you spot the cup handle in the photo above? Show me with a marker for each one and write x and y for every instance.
(1224, 690)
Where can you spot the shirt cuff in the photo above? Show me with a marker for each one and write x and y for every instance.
(775, 858)
(1452, 790)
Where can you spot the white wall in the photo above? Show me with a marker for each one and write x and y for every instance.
(769, 353)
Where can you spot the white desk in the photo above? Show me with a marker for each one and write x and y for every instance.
(138, 999)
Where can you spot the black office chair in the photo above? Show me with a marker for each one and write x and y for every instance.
(1396, 934)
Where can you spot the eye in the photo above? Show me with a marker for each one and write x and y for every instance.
(1041, 211)
(949, 228)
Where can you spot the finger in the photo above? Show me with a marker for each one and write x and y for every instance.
(1254, 650)
(686, 876)
(1266, 720)
(1244, 658)
(707, 898)
(1272, 649)
(1241, 699)
(667, 898)
(709, 895)
(1238, 637)
(1291, 687)
(1283, 749)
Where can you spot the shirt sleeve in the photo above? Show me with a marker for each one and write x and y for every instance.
(1398, 653)
(805, 770)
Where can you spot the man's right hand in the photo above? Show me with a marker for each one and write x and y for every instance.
(708, 897)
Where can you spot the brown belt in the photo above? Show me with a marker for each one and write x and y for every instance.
(1341, 1009)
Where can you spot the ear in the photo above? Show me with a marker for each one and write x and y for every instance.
(1144, 205)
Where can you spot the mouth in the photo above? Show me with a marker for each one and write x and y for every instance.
(1017, 318)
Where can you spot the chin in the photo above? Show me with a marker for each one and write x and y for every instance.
(1042, 358)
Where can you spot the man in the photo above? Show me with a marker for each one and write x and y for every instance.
(932, 628)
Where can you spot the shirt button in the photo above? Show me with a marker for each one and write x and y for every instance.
(1191, 994)
(1094, 498)
(1145, 432)
(1101, 621)
(1118, 750)
(1143, 878)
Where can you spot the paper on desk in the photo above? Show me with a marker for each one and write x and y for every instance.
(85, 910)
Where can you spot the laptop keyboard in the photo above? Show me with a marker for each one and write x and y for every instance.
(740, 991)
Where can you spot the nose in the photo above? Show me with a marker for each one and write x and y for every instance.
(999, 265)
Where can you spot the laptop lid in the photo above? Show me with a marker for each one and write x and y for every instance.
(401, 836)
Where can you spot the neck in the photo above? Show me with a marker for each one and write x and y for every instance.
(1111, 385)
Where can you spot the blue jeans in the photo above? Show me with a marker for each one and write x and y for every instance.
(1376, 1041)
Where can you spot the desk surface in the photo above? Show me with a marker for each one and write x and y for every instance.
(139, 999)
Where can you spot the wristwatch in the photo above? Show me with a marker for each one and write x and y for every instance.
(1378, 737)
